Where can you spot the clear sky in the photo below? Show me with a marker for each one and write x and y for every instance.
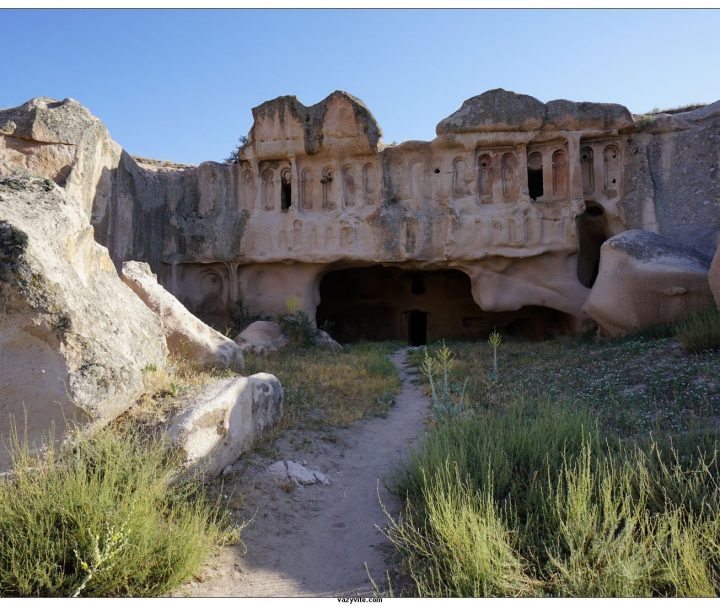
(179, 84)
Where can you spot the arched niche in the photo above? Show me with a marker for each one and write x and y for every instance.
(348, 185)
(485, 175)
(611, 169)
(326, 181)
(459, 178)
(268, 189)
(509, 177)
(536, 187)
(285, 189)
(559, 174)
(587, 166)
(306, 189)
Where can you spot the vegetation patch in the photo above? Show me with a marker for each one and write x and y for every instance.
(322, 387)
(101, 520)
(536, 485)
(701, 331)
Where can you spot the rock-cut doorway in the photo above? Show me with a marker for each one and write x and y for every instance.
(417, 322)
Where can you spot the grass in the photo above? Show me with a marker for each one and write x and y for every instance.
(701, 331)
(101, 520)
(531, 501)
(633, 385)
(322, 387)
(577, 468)
(163, 388)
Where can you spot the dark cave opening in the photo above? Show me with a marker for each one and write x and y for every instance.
(380, 303)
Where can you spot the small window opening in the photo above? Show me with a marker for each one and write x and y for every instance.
(437, 171)
(418, 285)
(535, 183)
(285, 192)
(535, 175)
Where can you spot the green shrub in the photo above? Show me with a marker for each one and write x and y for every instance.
(102, 521)
(529, 500)
(700, 331)
(462, 545)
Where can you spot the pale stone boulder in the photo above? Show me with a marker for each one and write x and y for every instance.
(646, 279)
(221, 422)
(324, 340)
(74, 340)
(187, 336)
(298, 474)
(715, 276)
(262, 338)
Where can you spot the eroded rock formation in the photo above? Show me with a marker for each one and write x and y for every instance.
(187, 337)
(74, 340)
(498, 221)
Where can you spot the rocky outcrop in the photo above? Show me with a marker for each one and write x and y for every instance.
(715, 276)
(506, 111)
(62, 141)
(187, 336)
(221, 422)
(646, 279)
(514, 193)
(74, 340)
(673, 184)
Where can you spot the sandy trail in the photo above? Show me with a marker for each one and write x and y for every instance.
(316, 540)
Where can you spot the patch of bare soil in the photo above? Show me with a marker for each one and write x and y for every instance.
(316, 540)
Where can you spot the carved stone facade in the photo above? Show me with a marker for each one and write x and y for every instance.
(514, 194)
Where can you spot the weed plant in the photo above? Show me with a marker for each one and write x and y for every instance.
(101, 520)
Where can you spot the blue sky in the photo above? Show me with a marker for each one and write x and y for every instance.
(179, 85)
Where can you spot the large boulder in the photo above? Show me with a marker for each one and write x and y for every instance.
(74, 339)
(187, 336)
(220, 423)
(715, 276)
(646, 279)
(262, 337)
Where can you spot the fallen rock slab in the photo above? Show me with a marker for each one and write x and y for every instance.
(220, 423)
(74, 340)
(297, 474)
(646, 279)
(187, 336)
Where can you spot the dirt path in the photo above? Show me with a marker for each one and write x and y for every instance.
(315, 540)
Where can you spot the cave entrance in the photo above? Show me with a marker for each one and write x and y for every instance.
(417, 327)
(592, 231)
(381, 303)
